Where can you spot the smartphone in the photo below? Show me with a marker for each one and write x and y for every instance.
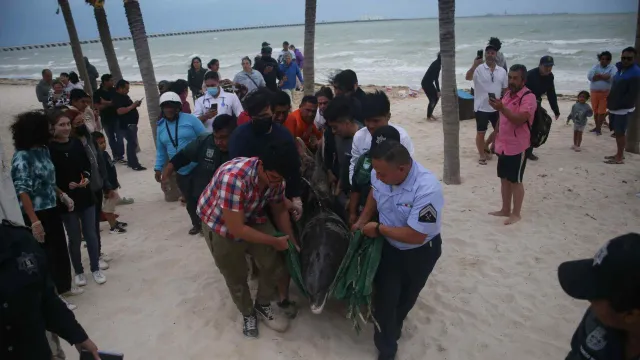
(214, 107)
(85, 355)
(480, 53)
(492, 96)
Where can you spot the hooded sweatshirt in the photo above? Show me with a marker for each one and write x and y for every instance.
(624, 88)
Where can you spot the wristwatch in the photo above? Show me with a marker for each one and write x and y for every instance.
(378, 229)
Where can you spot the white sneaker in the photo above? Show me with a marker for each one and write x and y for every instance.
(99, 277)
(105, 257)
(80, 280)
(70, 306)
(103, 265)
(74, 291)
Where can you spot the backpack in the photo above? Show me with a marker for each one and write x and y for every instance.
(541, 125)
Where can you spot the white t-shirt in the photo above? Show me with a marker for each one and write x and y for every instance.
(362, 143)
(319, 121)
(228, 103)
(484, 82)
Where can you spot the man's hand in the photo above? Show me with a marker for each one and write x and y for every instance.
(73, 185)
(84, 182)
(358, 225)
(137, 103)
(296, 208)
(158, 176)
(281, 243)
(353, 218)
(211, 114)
(557, 116)
(38, 231)
(477, 62)
(89, 346)
(370, 230)
(496, 104)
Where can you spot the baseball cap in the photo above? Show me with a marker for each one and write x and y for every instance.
(265, 44)
(546, 60)
(612, 270)
(490, 47)
(266, 50)
(383, 134)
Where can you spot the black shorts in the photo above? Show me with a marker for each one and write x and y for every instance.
(484, 118)
(619, 123)
(511, 167)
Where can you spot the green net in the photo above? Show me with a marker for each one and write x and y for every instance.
(354, 281)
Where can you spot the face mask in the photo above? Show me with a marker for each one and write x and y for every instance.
(213, 91)
(261, 125)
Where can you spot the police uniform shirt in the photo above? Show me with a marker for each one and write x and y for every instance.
(416, 203)
(593, 341)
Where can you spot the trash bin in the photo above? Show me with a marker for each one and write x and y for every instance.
(465, 105)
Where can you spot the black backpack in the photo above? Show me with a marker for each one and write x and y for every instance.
(541, 124)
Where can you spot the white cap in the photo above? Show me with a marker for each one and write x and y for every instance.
(170, 97)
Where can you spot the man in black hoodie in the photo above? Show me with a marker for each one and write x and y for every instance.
(431, 86)
(540, 82)
(269, 68)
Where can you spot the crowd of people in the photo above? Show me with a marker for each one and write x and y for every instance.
(237, 162)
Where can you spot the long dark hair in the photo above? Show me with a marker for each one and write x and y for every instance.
(193, 69)
(30, 129)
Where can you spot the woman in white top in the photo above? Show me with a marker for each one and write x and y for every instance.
(249, 78)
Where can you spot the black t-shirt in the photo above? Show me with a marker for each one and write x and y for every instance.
(121, 101)
(71, 163)
(593, 341)
(108, 113)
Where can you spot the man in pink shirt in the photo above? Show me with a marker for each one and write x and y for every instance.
(517, 108)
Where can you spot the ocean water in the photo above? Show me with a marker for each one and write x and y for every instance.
(381, 53)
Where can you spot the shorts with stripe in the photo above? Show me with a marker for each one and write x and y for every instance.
(511, 167)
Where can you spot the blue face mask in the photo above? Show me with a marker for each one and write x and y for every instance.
(213, 91)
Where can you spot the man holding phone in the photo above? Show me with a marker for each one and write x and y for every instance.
(489, 82)
(127, 111)
(215, 101)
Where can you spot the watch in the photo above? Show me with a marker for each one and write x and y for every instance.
(378, 230)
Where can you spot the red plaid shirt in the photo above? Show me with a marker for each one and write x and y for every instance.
(234, 186)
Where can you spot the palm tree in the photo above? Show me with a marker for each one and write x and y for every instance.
(450, 118)
(75, 44)
(141, 46)
(633, 134)
(309, 46)
(105, 38)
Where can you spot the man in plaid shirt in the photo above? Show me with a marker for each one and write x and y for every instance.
(232, 207)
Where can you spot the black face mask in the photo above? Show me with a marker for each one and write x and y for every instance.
(82, 130)
(261, 125)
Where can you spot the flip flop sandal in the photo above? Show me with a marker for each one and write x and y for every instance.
(612, 158)
(614, 162)
(482, 162)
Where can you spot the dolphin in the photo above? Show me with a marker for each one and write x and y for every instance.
(324, 236)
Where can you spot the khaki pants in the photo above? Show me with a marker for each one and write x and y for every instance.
(229, 256)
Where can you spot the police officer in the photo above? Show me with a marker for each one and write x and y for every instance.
(409, 202)
(29, 305)
(610, 281)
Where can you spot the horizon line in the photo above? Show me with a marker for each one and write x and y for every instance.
(191, 32)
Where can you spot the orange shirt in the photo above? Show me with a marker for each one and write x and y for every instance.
(298, 128)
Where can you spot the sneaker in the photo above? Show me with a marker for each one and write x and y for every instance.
(99, 277)
(105, 257)
(138, 168)
(74, 291)
(122, 161)
(123, 224)
(250, 326)
(70, 306)
(80, 280)
(117, 230)
(289, 308)
(274, 321)
(533, 157)
(103, 265)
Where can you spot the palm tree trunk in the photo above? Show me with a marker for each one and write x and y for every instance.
(75, 45)
(107, 43)
(633, 133)
(141, 46)
(450, 118)
(309, 46)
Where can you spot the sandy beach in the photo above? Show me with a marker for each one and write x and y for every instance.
(494, 293)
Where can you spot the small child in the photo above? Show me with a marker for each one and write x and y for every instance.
(579, 114)
(111, 197)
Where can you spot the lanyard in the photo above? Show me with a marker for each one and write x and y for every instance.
(174, 143)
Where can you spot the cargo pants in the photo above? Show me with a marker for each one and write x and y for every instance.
(229, 256)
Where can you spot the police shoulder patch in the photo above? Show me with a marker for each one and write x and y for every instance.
(428, 214)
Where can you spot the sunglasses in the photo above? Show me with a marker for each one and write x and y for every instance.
(627, 58)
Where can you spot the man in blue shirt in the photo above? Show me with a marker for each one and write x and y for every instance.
(610, 329)
(290, 71)
(175, 131)
(409, 202)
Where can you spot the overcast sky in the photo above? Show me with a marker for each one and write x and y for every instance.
(35, 21)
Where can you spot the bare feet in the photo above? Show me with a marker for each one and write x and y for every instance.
(512, 219)
(501, 213)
